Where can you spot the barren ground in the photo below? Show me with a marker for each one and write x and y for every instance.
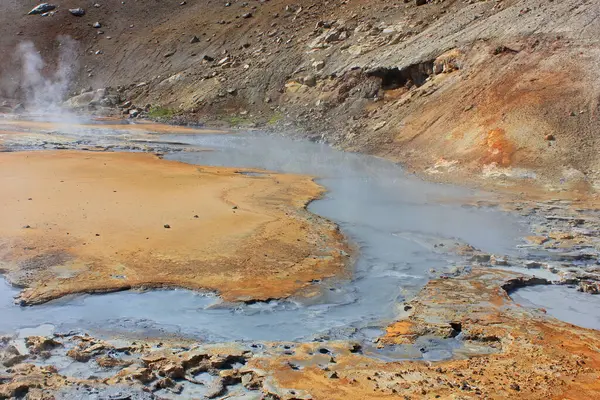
(95, 222)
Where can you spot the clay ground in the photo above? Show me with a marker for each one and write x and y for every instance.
(94, 222)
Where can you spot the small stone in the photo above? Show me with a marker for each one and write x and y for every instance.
(169, 54)
(247, 15)
(332, 375)
(310, 80)
(515, 387)
(78, 12)
(318, 65)
(234, 207)
(97, 25)
(41, 9)
(194, 39)
(167, 226)
(549, 137)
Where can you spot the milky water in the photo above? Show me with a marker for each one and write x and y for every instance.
(395, 219)
(562, 302)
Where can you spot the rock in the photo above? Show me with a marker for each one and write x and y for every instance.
(41, 9)
(78, 355)
(589, 287)
(332, 375)
(499, 260)
(549, 137)
(251, 381)
(481, 258)
(194, 39)
(310, 80)
(207, 58)
(247, 15)
(86, 99)
(97, 25)
(10, 356)
(169, 54)
(216, 388)
(144, 375)
(173, 371)
(533, 264)
(134, 113)
(167, 226)
(318, 65)
(78, 12)
(37, 344)
(379, 125)
(420, 2)
(232, 91)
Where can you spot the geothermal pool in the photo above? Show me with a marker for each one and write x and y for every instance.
(400, 225)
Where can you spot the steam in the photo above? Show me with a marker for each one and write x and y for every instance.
(44, 91)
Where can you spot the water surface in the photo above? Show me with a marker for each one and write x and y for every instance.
(395, 219)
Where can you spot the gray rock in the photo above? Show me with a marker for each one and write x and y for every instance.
(194, 39)
(97, 25)
(78, 12)
(310, 80)
(41, 9)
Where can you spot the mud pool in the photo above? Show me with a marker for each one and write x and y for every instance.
(562, 302)
(403, 228)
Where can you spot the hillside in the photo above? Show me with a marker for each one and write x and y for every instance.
(499, 92)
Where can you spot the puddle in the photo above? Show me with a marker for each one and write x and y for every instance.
(562, 302)
(395, 220)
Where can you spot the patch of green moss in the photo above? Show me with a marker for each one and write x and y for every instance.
(275, 118)
(161, 112)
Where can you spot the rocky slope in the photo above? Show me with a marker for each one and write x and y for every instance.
(503, 92)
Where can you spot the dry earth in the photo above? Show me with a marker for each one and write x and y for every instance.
(95, 222)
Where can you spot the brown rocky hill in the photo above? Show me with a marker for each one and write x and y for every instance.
(504, 92)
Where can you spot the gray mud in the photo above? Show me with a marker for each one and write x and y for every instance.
(562, 302)
(403, 227)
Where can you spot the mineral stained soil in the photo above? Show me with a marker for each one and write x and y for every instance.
(96, 222)
(457, 333)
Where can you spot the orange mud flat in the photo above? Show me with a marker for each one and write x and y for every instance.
(11, 126)
(77, 222)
